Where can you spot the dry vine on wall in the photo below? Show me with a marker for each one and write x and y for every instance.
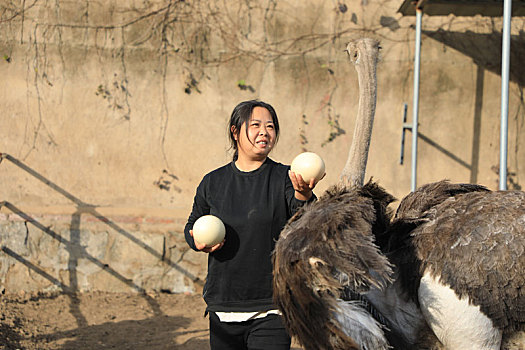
(202, 35)
(195, 38)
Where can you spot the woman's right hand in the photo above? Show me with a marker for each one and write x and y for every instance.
(203, 248)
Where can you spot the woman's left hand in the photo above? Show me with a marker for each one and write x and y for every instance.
(303, 190)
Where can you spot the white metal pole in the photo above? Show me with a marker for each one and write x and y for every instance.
(505, 59)
(415, 108)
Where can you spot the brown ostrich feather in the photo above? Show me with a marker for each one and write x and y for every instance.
(416, 203)
(472, 239)
(411, 213)
(327, 246)
(478, 248)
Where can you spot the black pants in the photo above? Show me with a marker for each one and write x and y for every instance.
(266, 333)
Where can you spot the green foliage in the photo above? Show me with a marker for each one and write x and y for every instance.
(335, 129)
(243, 86)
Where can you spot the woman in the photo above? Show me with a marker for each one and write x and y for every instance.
(254, 197)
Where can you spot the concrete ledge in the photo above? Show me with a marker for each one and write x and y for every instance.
(87, 250)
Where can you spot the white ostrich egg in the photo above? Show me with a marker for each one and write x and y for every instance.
(309, 165)
(209, 229)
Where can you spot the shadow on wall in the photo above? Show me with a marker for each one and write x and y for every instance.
(473, 166)
(76, 250)
(485, 50)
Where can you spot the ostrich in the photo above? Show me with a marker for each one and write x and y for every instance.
(460, 256)
(439, 274)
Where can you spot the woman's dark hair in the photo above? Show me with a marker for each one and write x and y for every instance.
(242, 113)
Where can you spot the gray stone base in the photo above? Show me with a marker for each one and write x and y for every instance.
(87, 251)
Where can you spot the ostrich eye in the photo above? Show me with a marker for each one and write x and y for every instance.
(356, 55)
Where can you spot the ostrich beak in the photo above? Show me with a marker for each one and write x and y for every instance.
(346, 48)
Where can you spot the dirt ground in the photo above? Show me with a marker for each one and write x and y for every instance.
(103, 321)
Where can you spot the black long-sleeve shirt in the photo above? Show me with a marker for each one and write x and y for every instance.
(254, 207)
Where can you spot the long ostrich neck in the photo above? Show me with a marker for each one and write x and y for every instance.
(363, 53)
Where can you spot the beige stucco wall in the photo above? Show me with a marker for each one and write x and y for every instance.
(97, 109)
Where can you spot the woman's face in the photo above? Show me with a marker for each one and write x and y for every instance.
(260, 138)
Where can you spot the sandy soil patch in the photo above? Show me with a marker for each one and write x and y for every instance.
(103, 321)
